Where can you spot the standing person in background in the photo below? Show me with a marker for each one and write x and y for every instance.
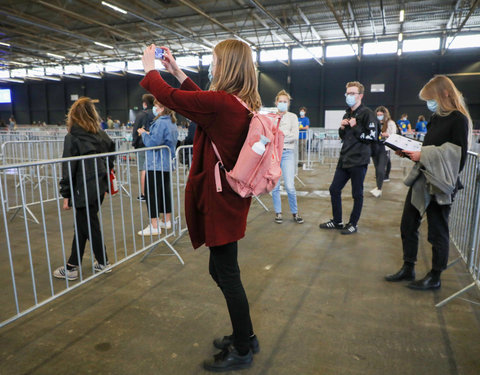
(12, 124)
(303, 126)
(404, 125)
(289, 127)
(85, 137)
(388, 127)
(357, 130)
(163, 131)
(143, 120)
(449, 134)
(109, 122)
(421, 127)
(217, 219)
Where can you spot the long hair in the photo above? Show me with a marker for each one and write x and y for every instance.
(386, 117)
(166, 112)
(235, 72)
(83, 113)
(449, 99)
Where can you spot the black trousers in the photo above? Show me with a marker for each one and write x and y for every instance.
(158, 196)
(388, 167)
(341, 177)
(84, 221)
(438, 233)
(224, 269)
(379, 157)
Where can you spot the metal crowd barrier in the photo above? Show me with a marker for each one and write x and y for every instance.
(33, 252)
(465, 222)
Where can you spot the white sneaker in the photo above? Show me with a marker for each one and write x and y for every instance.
(150, 230)
(62, 273)
(376, 193)
(167, 225)
(100, 267)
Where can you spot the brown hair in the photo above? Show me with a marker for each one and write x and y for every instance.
(166, 112)
(386, 117)
(84, 114)
(421, 118)
(304, 108)
(361, 88)
(449, 99)
(148, 99)
(404, 115)
(283, 93)
(235, 72)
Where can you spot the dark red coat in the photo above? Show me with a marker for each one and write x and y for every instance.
(213, 218)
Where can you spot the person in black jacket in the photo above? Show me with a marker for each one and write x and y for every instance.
(84, 183)
(357, 130)
(452, 123)
(143, 120)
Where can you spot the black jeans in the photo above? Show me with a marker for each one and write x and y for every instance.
(157, 193)
(83, 221)
(341, 177)
(224, 270)
(379, 157)
(438, 233)
(388, 167)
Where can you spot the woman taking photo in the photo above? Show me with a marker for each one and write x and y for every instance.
(85, 137)
(216, 219)
(158, 163)
(289, 127)
(450, 126)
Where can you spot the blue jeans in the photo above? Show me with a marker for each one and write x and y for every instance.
(288, 174)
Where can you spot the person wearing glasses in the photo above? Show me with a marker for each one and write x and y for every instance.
(357, 130)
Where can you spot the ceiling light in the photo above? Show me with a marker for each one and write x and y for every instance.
(400, 37)
(56, 56)
(399, 52)
(4, 44)
(402, 15)
(104, 45)
(120, 10)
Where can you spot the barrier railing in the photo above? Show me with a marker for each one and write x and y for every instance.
(465, 222)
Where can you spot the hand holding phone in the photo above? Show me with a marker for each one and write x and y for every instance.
(159, 53)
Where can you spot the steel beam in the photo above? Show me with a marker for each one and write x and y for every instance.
(340, 24)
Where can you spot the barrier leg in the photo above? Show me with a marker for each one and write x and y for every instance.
(28, 211)
(455, 295)
(261, 203)
(154, 246)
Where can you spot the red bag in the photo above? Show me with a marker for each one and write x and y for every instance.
(113, 183)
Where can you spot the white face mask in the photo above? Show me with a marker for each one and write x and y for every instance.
(282, 106)
(302, 113)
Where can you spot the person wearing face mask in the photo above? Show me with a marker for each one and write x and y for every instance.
(143, 120)
(388, 127)
(289, 127)
(404, 124)
(447, 140)
(303, 126)
(163, 131)
(357, 130)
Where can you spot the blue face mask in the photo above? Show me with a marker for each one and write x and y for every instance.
(155, 112)
(432, 105)
(282, 106)
(350, 99)
(210, 74)
(380, 118)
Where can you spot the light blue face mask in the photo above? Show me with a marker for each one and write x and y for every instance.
(432, 105)
(155, 112)
(380, 118)
(282, 106)
(350, 99)
(210, 74)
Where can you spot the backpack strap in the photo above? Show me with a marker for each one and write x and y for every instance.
(218, 181)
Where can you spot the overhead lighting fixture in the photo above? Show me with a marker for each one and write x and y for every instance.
(56, 56)
(104, 45)
(400, 37)
(4, 44)
(120, 10)
(399, 52)
(402, 15)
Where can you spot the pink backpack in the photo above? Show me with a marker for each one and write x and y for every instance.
(255, 174)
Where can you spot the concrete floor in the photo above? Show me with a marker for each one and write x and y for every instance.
(318, 303)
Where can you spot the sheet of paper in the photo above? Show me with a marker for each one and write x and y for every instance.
(398, 142)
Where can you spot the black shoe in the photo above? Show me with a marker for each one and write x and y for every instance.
(226, 341)
(298, 219)
(427, 283)
(141, 198)
(349, 229)
(228, 360)
(331, 225)
(405, 273)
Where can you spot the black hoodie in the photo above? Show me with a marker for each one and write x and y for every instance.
(79, 142)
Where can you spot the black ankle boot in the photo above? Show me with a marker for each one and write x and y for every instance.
(224, 342)
(228, 360)
(407, 272)
(430, 281)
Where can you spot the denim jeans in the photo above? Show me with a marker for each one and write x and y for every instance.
(288, 174)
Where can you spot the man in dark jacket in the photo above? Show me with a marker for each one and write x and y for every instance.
(143, 120)
(358, 129)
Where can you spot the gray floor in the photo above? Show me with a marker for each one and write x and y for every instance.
(318, 302)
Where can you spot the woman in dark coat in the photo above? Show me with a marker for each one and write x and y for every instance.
(84, 183)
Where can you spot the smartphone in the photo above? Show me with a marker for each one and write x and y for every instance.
(159, 53)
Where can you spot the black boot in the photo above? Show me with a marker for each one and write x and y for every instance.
(228, 360)
(430, 281)
(407, 272)
(224, 342)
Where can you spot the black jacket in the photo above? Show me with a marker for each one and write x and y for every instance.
(356, 141)
(79, 143)
(143, 120)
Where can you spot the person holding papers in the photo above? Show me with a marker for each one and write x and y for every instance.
(434, 180)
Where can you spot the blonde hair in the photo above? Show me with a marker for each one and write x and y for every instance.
(235, 72)
(83, 113)
(449, 99)
(283, 93)
(166, 112)
(361, 88)
(386, 117)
